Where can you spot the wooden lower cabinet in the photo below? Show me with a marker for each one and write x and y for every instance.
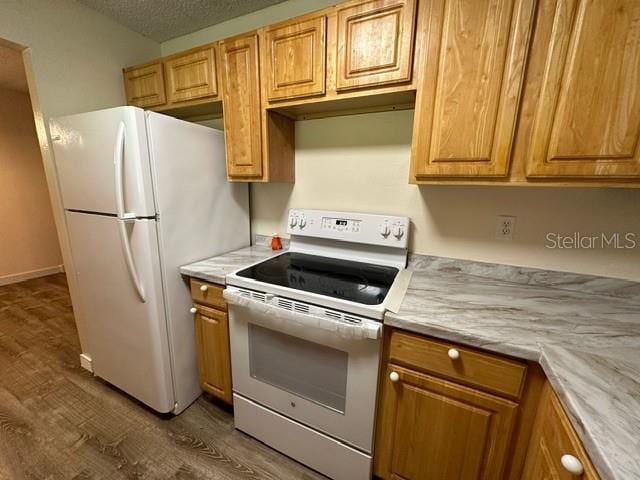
(444, 414)
(552, 438)
(436, 429)
(212, 340)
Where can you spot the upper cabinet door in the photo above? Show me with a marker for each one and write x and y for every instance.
(467, 102)
(587, 118)
(144, 85)
(241, 104)
(294, 61)
(192, 75)
(375, 43)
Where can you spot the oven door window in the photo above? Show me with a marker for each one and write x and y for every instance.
(312, 371)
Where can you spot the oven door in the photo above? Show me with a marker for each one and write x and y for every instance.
(316, 370)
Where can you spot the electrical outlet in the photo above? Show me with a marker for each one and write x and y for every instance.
(505, 227)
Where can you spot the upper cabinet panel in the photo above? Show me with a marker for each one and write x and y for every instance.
(375, 43)
(294, 60)
(192, 75)
(474, 62)
(241, 104)
(587, 118)
(144, 85)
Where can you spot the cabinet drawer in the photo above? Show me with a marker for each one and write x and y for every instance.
(208, 294)
(472, 367)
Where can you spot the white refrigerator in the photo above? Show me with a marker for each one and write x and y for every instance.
(144, 193)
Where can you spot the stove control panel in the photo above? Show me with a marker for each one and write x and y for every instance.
(351, 227)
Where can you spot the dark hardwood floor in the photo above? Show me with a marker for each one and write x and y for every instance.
(57, 421)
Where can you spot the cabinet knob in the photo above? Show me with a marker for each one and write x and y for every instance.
(453, 354)
(203, 288)
(394, 377)
(193, 310)
(571, 464)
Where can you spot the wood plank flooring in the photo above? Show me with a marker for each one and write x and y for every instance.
(57, 421)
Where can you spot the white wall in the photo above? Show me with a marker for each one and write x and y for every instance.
(361, 163)
(28, 239)
(77, 53)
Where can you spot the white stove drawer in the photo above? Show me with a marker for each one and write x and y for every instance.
(320, 452)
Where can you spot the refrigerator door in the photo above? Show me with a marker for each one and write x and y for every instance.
(89, 148)
(123, 303)
(201, 214)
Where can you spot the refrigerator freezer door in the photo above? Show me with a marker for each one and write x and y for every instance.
(129, 345)
(201, 215)
(85, 148)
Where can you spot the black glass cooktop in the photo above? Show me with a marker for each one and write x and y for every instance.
(347, 280)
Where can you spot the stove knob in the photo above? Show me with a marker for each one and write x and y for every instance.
(398, 232)
(385, 230)
(293, 221)
(303, 221)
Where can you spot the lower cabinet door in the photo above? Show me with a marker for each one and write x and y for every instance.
(553, 438)
(214, 358)
(431, 428)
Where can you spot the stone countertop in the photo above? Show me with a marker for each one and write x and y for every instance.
(583, 330)
(216, 269)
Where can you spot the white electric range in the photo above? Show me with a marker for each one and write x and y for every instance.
(306, 328)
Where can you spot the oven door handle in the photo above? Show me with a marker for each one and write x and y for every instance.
(265, 312)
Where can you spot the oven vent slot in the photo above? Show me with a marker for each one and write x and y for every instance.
(332, 314)
(352, 319)
(286, 304)
(260, 297)
(300, 308)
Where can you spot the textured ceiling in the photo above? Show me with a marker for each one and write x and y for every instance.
(166, 19)
(12, 74)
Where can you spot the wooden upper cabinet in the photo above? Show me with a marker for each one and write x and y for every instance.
(241, 104)
(192, 75)
(294, 59)
(469, 93)
(375, 43)
(552, 438)
(437, 429)
(587, 119)
(144, 85)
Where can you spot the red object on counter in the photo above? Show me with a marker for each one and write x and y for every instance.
(276, 243)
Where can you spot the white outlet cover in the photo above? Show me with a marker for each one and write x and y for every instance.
(505, 226)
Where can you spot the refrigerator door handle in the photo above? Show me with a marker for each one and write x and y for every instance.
(128, 256)
(118, 161)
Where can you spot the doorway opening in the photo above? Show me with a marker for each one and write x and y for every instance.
(29, 244)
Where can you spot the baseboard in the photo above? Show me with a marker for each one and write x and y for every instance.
(21, 277)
